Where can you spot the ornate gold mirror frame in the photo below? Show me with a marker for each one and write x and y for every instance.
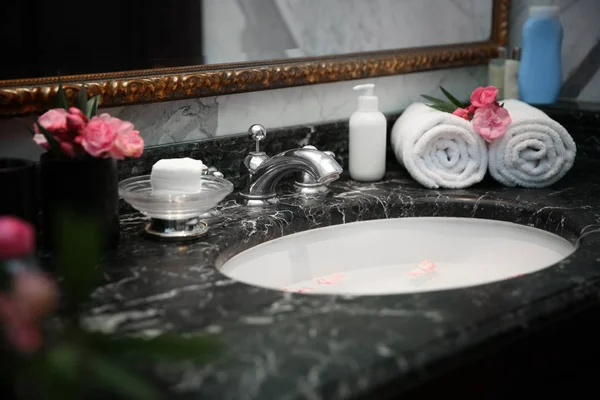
(19, 96)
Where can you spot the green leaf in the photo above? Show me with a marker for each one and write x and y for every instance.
(82, 100)
(61, 97)
(92, 106)
(54, 146)
(56, 372)
(119, 380)
(452, 99)
(79, 243)
(64, 361)
(434, 100)
(443, 108)
(166, 347)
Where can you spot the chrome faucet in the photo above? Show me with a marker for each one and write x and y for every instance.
(264, 172)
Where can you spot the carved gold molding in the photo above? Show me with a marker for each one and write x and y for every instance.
(19, 96)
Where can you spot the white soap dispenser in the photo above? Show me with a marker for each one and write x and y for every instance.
(367, 137)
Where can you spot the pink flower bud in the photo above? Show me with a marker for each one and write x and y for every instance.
(54, 121)
(17, 237)
(462, 113)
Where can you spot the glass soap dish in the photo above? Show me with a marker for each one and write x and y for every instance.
(175, 216)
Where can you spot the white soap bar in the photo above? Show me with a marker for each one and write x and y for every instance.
(177, 175)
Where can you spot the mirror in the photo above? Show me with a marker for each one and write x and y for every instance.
(260, 30)
(149, 50)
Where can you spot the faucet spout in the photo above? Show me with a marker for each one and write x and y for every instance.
(262, 187)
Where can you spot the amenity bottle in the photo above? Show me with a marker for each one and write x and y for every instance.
(368, 136)
(540, 72)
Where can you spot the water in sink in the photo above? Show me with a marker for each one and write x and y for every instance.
(398, 256)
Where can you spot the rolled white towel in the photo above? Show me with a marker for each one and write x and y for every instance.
(535, 151)
(439, 149)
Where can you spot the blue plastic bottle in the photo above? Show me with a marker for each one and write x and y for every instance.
(540, 72)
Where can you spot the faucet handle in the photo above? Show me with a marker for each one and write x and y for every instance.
(257, 132)
(329, 153)
(253, 160)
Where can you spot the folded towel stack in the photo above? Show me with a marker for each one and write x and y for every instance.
(535, 151)
(439, 149)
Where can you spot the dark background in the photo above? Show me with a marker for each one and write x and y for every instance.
(40, 38)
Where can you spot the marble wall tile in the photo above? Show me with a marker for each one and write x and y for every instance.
(176, 121)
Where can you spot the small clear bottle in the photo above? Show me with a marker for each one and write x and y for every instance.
(511, 75)
(496, 72)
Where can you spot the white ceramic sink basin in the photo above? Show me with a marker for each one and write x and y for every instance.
(395, 256)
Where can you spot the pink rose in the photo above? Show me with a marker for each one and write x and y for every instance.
(491, 121)
(67, 148)
(471, 109)
(76, 121)
(127, 145)
(99, 135)
(17, 237)
(482, 96)
(462, 113)
(65, 127)
(40, 140)
(54, 121)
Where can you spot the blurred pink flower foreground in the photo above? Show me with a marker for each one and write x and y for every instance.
(32, 295)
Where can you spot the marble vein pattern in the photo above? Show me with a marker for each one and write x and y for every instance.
(281, 345)
(176, 121)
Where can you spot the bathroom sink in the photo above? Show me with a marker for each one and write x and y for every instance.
(394, 256)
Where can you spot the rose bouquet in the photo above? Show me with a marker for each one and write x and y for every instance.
(489, 117)
(79, 172)
(78, 131)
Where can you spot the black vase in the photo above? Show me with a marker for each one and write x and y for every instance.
(82, 190)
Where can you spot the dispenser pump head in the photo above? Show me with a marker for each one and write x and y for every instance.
(367, 101)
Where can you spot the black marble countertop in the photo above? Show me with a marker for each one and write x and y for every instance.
(279, 345)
